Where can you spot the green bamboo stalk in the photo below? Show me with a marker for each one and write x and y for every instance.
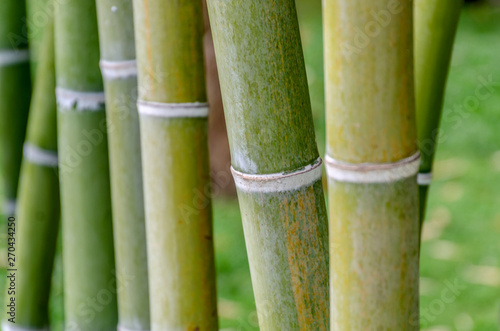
(15, 94)
(275, 160)
(172, 109)
(38, 209)
(119, 70)
(39, 14)
(435, 28)
(372, 161)
(88, 259)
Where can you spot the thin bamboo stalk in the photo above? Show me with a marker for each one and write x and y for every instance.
(173, 122)
(88, 259)
(119, 70)
(39, 14)
(435, 29)
(38, 209)
(275, 159)
(372, 161)
(15, 94)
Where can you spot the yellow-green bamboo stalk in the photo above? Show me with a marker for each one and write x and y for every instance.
(119, 69)
(88, 258)
(173, 119)
(15, 94)
(435, 28)
(275, 160)
(372, 161)
(38, 208)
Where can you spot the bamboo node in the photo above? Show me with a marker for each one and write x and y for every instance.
(80, 101)
(371, 173)
(121, 328)
(40, 156)
(13, 56)
(9, 208)
(118, 69)
(172, 110)
(278, 182)
(424, 179)
(7, 326)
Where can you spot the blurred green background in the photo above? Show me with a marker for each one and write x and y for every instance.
(461, 238)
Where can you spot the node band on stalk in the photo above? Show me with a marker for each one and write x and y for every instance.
(424, 179)
(9, 208)
(118, 69)
(366, 173)
(13, 56)
(278, 182)
(172, 110)
(40, 156)
(121, 328)
(80, 101)
(7, 326)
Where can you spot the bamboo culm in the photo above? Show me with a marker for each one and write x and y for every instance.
(119, 71)
(435, 29)
(15, 95)
(39, 14)
(88, 259)
(275, 160)
(173, 123)
(372, 161)
(38, 207)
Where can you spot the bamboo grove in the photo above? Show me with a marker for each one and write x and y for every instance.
(112, 145)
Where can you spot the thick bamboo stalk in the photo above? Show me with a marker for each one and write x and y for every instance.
(15, 94)
(435, 28)
(116, 30)
(372, 159)
(173, 124)
(38, 209)
(275, 159)
(88, 259)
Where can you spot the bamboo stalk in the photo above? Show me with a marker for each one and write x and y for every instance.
(372, 161)
(15, 94)
(39, 14)
(173, 123)
(119, 70)
(38, 209)
(435, 29)
(275, 160)
(88, 259)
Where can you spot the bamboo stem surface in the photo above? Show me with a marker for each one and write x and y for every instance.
(271, 134)
(374, 249)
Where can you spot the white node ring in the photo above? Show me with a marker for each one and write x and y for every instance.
(9, 208)
(80, 101)
(40, 156)
(7, 326)
(118, 69)
(278, 182)
(121, 328)
(14, 56)
(372, 173)
(172, 110)
(424, 179)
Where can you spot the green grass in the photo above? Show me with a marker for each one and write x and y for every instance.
(462, 226)
(463, 219)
